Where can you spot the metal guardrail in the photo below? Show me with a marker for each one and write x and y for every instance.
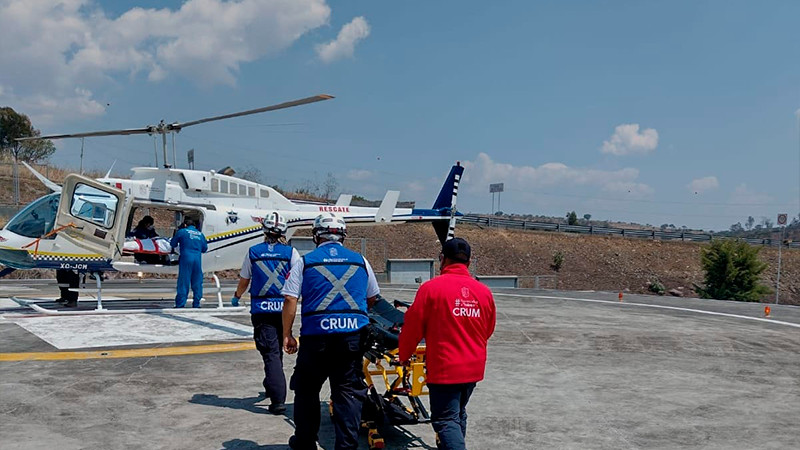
(521, 224)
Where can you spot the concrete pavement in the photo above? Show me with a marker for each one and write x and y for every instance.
(566, 370)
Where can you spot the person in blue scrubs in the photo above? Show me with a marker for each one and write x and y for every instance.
(192, 244)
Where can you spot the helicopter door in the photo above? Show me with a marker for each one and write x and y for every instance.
(93, 215)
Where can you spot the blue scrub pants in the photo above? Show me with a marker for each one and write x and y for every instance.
(190, 272)
(449, 413)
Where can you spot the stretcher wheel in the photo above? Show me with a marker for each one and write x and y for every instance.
(374, 439)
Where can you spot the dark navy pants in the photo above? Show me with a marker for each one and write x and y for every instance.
(68, 279)
(338, 358)
(268, 334)
(449, 413)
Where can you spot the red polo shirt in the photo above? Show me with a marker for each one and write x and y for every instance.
(455, 314)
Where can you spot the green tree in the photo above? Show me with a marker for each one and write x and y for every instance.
(587, 217)
(732, 270)
(572, 218)
(14, 125)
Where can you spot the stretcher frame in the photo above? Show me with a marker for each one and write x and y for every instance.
(400, 381)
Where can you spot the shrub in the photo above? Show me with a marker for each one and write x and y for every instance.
(558, 260)
(732, 270)
(656, 287)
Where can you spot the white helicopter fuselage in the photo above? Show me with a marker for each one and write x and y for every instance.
(84, 226)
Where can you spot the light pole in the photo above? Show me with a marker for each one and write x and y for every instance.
(782, 224)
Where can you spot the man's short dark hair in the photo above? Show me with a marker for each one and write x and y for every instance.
(457, 249)
(188, 222)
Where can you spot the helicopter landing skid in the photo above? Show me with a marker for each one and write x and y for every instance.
(101, 310)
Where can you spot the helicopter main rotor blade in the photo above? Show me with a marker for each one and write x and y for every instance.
(163, 128)
(147, 130)
(304, 101)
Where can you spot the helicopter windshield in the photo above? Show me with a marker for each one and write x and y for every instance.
(36, 219)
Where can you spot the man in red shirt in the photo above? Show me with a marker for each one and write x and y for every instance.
(455, 314)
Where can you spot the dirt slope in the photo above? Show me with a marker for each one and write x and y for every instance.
(590, 262)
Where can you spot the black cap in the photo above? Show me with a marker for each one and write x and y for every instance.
(456, 249)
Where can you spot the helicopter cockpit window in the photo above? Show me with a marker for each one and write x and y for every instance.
(264, 193)
(36, 219)
(93, 205)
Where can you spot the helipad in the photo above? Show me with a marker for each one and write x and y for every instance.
(566, 370)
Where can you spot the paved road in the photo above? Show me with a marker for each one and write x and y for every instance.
(566, 370)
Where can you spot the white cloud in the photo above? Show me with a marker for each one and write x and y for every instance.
(415, 187)
(480, 173)
(627, 140)
(51, 47)
(743, 195)
(345, 43)
(359, 175)
(700, 185)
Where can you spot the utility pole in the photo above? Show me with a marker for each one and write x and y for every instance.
(82, 155)
(782, 223)
(778, 279)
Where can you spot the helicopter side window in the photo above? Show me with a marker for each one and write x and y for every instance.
(264, 193)
(223, 186)
(36, 219)
(242, 190)
(251, 191)
(214, 185)
(234, 188)
(93, 205)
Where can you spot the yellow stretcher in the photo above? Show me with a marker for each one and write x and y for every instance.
(393, 390)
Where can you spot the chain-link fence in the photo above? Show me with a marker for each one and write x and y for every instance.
(21, 186)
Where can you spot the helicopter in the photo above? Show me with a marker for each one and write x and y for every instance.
(82, 225)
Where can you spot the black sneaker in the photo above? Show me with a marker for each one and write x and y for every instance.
(277, 408)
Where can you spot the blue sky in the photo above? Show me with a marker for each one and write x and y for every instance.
(652, 112)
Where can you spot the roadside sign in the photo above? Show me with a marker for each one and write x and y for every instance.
(495, 187)
(782, 218)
